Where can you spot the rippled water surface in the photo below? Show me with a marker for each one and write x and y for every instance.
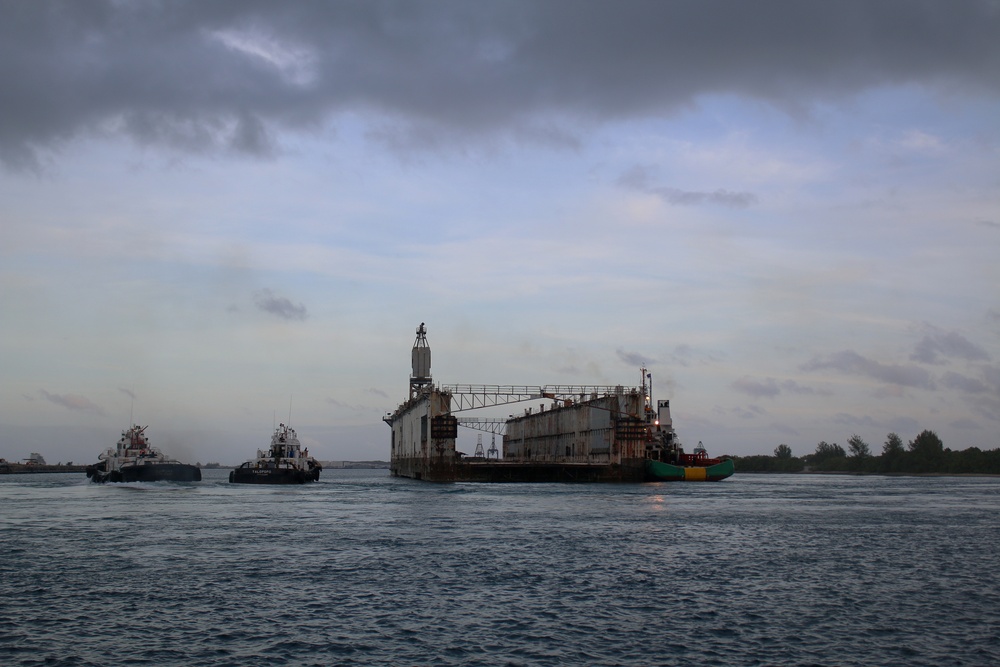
(364, 569)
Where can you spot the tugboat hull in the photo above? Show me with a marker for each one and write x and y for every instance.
(657, 471)
(273, 476)
(155, 472)
(284, 462)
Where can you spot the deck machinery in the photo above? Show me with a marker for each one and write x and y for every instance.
(575, 433)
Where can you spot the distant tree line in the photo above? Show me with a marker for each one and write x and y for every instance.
(924, 454)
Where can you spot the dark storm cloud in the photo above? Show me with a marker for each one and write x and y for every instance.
(966, 424)
(694, 198)
(854, 421)
(355, 408)
(216, 76)
(633, 358)
(903, 425)
(278, 305)
(749, 412)
(991, 374)
(960, 382)
(638, 178)
(769, 388)
(934, 347)
(783, 429)
(987, 407)
(73, 402)
(685, 355)
(852, 363)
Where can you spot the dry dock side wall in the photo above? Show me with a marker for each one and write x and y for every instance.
(600, 430)
(597, 440)
(423, 438)
(632, 470)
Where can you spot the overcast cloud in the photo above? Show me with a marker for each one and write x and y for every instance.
(932, 348)
(281, 306)
(229, 76)
(72, 402)
(786, 211)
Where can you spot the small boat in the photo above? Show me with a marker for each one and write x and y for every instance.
(285, 462)
(135, 460)
(689, 468)
(665, 457)
(673, 465)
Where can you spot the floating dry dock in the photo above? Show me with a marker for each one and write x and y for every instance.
(575, 433)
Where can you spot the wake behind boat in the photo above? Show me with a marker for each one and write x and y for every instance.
(133, 459)
(283, 463)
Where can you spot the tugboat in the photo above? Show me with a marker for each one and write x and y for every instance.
(667, 462)
(285, 462)
(697, 467)
(135, 460)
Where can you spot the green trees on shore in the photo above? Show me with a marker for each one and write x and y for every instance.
(924, 454)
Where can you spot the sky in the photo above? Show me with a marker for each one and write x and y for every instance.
(216, 216)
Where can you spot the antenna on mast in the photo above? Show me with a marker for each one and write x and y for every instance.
(647, 392)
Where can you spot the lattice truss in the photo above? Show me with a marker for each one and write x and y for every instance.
(474, 396)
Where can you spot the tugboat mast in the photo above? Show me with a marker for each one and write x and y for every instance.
(647, 393)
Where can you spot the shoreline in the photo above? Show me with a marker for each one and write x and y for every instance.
(866, 474)
(20, 468)
(32, 468)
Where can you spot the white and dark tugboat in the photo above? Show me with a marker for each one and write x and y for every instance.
(135, 460)
(285, 462)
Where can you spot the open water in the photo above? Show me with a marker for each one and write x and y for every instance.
(365, 569)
